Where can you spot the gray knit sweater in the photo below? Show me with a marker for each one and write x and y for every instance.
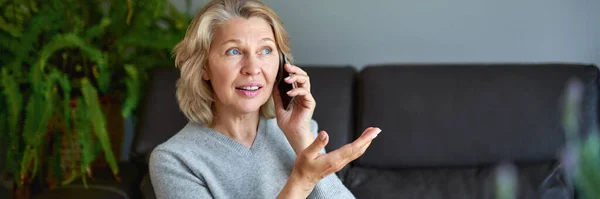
(199, 162)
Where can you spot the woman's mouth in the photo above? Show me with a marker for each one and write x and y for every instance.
(248, 91)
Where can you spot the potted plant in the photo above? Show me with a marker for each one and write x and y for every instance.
(62, 63)
(581, 156)
(578, 175)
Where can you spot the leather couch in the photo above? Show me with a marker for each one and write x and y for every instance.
(446, 127)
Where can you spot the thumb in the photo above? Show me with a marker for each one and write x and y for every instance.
(318, 144)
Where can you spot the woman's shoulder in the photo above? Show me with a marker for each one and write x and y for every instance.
(188, 138)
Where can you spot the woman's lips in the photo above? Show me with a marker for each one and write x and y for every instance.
(248, 93)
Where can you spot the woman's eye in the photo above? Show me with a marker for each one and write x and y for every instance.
(233, 52)
(266, 51)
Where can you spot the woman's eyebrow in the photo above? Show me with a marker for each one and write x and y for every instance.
(267, 39)
(237, 41)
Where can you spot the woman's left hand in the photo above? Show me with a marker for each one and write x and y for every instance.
(295, 122)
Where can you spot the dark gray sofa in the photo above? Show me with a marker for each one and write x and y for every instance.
(445, 126)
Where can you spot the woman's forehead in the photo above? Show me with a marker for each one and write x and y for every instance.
(253, 29)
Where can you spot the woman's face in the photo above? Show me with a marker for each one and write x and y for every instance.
(242, 64)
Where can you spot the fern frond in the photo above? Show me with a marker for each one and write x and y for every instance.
(97, 30)
(90, 97)
(68, 41)
(159, 8)
(4, 140)
(39, 22)
(72, 40)
(133, 90)
(14, 105)
(14, 101)
(148, 39)
(10, 28)
(9, 43)
(28, 157)
(83, 130)
(39, 111)
(181, 20)
(46, 106)
(65, 85)
(104, 74)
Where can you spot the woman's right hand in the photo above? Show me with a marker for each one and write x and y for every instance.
(311, 166)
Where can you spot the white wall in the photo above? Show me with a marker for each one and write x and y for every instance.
(407, 31)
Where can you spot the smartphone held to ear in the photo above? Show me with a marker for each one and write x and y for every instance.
(283, 86)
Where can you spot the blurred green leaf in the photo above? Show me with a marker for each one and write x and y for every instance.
(50, 51)
(90, 97)
(133, 90)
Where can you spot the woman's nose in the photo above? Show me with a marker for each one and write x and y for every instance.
(251, 66)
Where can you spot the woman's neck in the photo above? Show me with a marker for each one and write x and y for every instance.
(239, 127)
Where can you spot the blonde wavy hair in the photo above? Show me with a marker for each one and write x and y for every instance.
(195, 95)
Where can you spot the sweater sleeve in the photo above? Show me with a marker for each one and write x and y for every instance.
(331, 186)
(171, 178)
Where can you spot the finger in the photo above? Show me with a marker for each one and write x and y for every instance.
(350, 152)
(318, 144)
(294, 69)
(301, 80)
(299, 91)
(308, 101)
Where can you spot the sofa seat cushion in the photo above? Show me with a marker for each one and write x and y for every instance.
(447, 183)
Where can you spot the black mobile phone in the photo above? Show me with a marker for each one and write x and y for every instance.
(283, 86)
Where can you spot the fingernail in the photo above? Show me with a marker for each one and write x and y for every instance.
(287, 78)
(322, 136)
(376, 134)
(289, 92)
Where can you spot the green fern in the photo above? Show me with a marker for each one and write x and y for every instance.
(13, 111)
(12, 29)
(9, 44)
(84, 136)
(65, 85)
(39, 111)
(13, 101)
(54, 52)
(69, 41)
(35, 27)
(4, 140)
(90, 97)
(97, 30)
(133, 90)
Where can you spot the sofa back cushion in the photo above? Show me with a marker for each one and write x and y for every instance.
(160, 116)
(333, 88)
(453, 115)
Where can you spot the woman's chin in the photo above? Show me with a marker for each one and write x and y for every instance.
(250, 106)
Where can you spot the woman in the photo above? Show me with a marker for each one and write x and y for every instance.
(240, 142)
